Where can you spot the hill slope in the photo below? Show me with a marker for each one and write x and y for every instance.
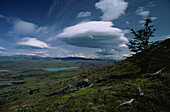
(112, 86)
(160, 56)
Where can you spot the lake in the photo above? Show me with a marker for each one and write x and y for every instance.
(57, 69)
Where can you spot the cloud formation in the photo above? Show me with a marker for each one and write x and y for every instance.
(21, 27)
(2, 49)
(143, 13)
(77, 55)
(24, 28)
(30, 54)
(83, 14)
(143, 21)
(127, 22)
(112, 9)
(153, 18)
(31, 43)
(106, 52)
(95, 34)
(2, 16)
(51, 9)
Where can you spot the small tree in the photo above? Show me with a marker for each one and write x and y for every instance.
(141, 43)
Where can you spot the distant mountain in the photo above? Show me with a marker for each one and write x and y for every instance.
(25, 57)
(80, 58)
(73, 58)
(37, 58)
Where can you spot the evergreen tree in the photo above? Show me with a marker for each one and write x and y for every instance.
(141, 43)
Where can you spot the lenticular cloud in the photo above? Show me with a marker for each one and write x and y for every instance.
(94, 34)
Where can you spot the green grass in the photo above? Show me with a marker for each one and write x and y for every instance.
(85, 91)
(141, 80)
(65, 96)
(105, 96)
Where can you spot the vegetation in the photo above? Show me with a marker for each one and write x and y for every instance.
(142, 44)
(112, 85)
(141, 41)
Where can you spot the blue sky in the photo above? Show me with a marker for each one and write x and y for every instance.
(87, 28)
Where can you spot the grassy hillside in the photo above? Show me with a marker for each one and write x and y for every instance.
(158, 56)
(112, 86)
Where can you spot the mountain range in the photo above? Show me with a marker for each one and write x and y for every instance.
(37, 58)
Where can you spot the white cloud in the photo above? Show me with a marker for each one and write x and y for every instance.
(95, 34)
(32, 50)
(10, 33)
(2, 49)
(31, 43)
(42, 30)
(144, 13)
(83, 14)
(125, 55)
(51, 9)
(21, 27)
(150, 4)
(153, 18)
(31, 54)
(90, 28)
(127, 22)
(39, 52)
(2, 16)
(24, 28)
(42, 53)
(143, 21)
(141, 11)
(106, 52)
(112, 9)
(77, 55)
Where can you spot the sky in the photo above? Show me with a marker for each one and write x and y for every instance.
(77, 28)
